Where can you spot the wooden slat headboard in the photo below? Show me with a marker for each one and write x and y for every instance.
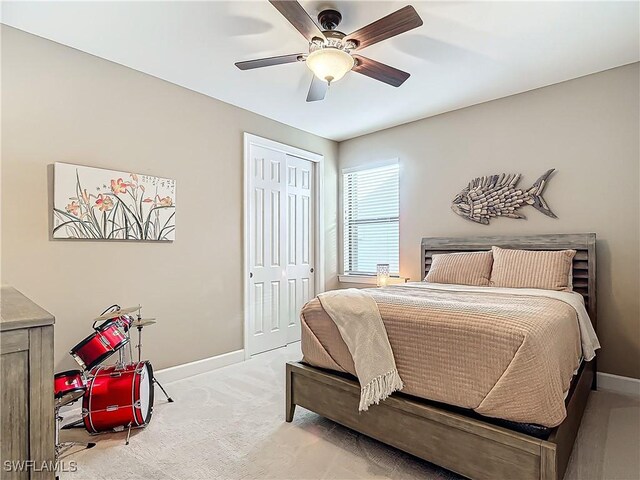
(584, 263)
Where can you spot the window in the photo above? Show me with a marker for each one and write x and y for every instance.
(371, 199)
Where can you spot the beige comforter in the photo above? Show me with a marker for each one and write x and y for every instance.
(509, 356)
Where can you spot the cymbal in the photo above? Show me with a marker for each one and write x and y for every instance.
(117, 313)
(143, 322)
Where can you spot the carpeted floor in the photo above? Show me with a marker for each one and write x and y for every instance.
(229, 424)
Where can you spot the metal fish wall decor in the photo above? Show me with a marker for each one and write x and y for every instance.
(499, 196)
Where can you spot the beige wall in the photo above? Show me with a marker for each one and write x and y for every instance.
(585, 128)
(61, 105)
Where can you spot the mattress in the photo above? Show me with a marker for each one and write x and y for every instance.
(509, 354)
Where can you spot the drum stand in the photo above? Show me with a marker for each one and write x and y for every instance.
(139, 347)
(61, 447)
(155, 380)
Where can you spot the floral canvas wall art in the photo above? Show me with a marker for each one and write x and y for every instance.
(94, 203)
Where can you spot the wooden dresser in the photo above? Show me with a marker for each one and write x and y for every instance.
(26, 391)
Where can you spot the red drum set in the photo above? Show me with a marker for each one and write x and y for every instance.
(113, 396)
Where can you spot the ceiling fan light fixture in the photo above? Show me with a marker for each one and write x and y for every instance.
(329, 64)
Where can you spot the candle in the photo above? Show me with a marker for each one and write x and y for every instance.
(382, 274)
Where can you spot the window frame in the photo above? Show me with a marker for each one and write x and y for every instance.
(345, 276)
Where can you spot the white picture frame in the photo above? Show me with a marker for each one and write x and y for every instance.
(100, 204)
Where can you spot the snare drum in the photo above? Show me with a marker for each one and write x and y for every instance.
(68, 387)
(104, 342)
(118, 396)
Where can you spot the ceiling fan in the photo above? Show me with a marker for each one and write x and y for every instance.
(331, 54)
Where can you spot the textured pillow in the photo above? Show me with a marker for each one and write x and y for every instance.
(546, 269)
(472, 268)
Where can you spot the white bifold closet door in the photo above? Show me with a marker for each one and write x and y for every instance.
(281, 246)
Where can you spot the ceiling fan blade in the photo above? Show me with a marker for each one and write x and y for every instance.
(379, 71)
(394, 24)
(266, 62)
(299, 18)
(317, 90)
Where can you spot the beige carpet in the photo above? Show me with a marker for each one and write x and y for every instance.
(228, 424)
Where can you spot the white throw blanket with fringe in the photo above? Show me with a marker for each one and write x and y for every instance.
(358, 319)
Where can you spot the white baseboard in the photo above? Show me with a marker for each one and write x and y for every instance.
(618, 384)
(205, 365)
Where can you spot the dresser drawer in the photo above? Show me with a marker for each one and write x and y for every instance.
(14, 341)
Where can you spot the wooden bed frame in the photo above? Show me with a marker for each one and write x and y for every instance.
(445, 436)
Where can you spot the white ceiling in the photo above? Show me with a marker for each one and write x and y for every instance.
(465, 53)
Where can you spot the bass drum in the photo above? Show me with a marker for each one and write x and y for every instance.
(118, 396)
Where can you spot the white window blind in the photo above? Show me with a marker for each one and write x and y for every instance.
(371, 219)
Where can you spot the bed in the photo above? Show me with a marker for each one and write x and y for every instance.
(455, 438)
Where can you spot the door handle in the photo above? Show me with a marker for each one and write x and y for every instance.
(250, 274)
(311, 269)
